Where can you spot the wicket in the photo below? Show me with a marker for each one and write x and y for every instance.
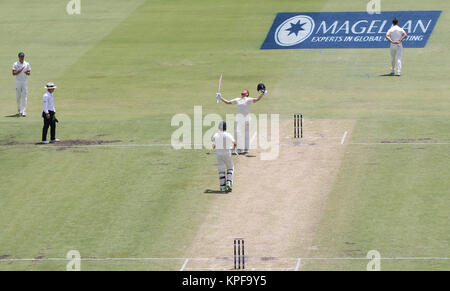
(239, 253)
(298, 125)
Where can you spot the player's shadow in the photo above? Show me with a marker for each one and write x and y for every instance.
(387, 75)
(209, 191)
(13, 115)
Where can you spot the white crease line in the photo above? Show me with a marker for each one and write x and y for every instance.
(191, 147)
(253, 259)
(56, 146)
(343, 138)
(184, 265)
(95, 259)
(400, 143)
(297, 267)
(360, 258)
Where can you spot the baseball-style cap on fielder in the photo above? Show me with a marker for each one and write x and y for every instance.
(50, 85)
(21, 55)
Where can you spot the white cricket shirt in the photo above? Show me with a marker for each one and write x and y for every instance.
(395, 33)
(224, 142)
(21, 77)
(48, 102)
(243, 105)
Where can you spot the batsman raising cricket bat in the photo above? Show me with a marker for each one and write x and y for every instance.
(243, 117)
(218, 89)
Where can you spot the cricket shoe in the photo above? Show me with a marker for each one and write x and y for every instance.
(55, 140)
(228, 186)
(44, 142)
(223, 189)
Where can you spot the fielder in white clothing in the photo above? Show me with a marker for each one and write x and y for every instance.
(395, 36)
(224, 142)
(242, 118)
(21, 70)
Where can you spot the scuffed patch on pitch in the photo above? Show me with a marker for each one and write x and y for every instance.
(73, 143)
(275, 205)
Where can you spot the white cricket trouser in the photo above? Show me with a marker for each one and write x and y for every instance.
(225, 163)
(22, 96)
(242, 135)
(396, 57)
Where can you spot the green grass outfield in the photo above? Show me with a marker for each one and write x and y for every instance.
(124, 68)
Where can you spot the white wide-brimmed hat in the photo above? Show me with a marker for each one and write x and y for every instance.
(50, 85)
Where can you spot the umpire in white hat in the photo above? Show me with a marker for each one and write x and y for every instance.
(48, 114)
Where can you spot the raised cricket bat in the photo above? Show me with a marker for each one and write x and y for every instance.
(220, 87)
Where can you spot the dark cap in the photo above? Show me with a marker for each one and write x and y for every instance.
(223, 126)
(21, 55)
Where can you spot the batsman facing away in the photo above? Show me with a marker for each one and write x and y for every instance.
(224, 142)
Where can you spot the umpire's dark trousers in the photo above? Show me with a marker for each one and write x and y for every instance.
(49, 122)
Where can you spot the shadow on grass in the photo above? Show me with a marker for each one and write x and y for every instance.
(209, 191)
(388, 75)
(13, 115)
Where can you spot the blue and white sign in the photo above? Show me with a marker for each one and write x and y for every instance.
(311, 30)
